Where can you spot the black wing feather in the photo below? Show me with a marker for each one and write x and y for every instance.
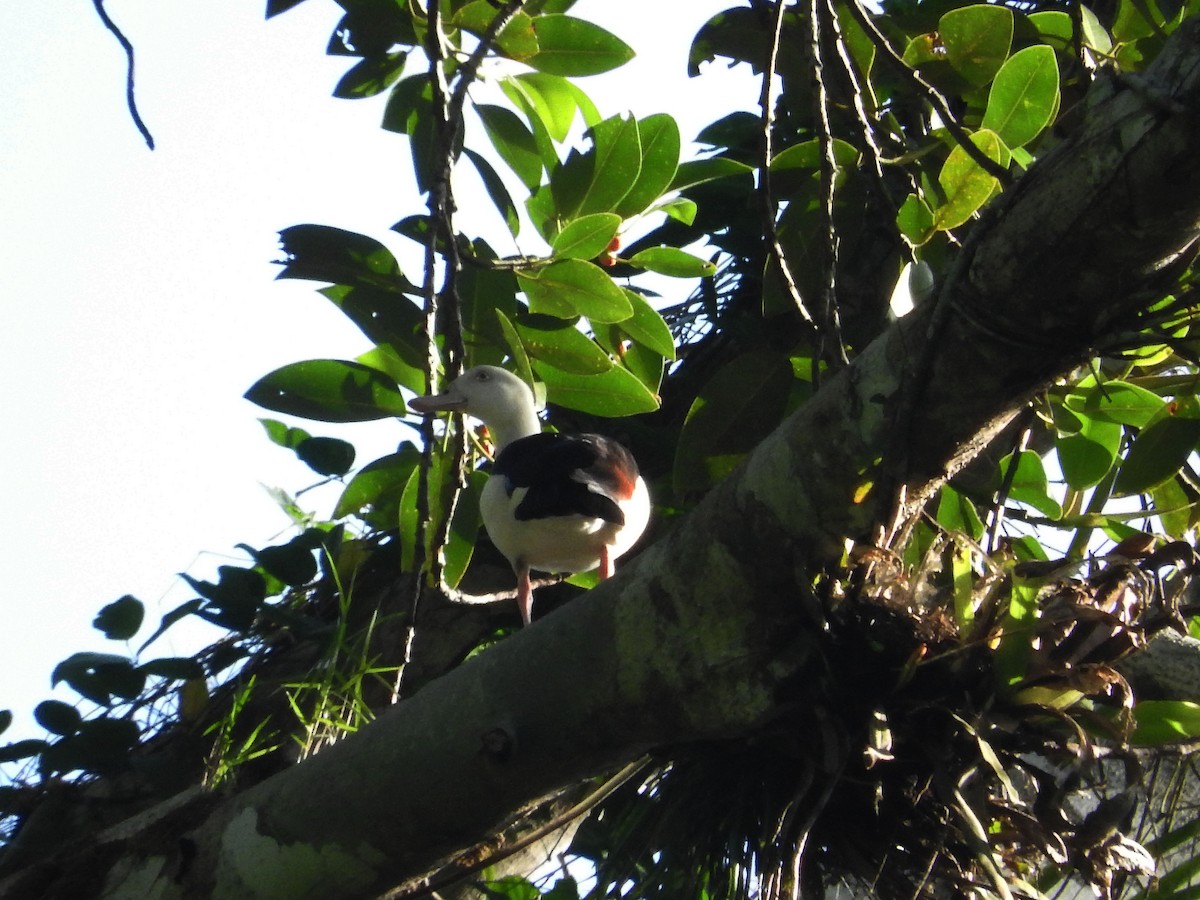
(582, 474)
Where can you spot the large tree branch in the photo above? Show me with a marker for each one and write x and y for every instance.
(708, 632)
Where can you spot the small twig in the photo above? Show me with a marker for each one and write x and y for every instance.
(766, 199)
(1010, 476)
(456, 596)
(831, 325)
(911, 75)
(130, 99)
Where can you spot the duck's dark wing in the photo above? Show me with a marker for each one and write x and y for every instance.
(582, 474)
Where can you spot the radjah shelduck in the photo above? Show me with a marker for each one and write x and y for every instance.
(553, 502)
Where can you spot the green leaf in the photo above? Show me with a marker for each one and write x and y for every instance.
(613, 393)
(586, 237)
(1094, 34)
(597, 180)
(1174, 508)
(574, 287)
(1024, 96)
(515, 347)
(547, 100)
(494, 185)
(1030, 485)
(373, 75)
(517, 40)
(57, 717)
(1158, 452)
(977, 40)
(337, 256)
(574, 47)
(966, 186)
(739, 406)
(283, 435)
(562, 345)
(957, 514)
(374, 493)
(1159, 722)
(121, 619)
(513, 141)
(647, 327)
(1088, 455)
(1123, 403)
(915, 220)
(807, 155)
(680, 209)
(464, 529)
(659, 138)
(330, 390)
(1054, 28)
(673, 262)
(386, 317)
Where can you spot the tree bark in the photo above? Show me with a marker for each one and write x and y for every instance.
(712, 631)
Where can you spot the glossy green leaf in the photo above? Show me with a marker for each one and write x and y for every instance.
(410, 111)
(374, 493)
(1087, 456)
(513, 141)
(739, 406)
(1159, 722)
(647, 327)
(121, 619)
(1158, 452)
(598, 179)
(574, 287)
(673, 262)
(330, 390)
(283, 435)
(586, 237)
(966, 186)
(574, 47)
(1024, 96)
(496, 190)
(659, 139)
(977, 40)
(1094, 34)
(1176, 510)
(807, 155)
(562, 345)
(1030, 485)
(57, 717)
(681, 209)
(373, 75)
(385, 359)
(547, 99)
(613, 393)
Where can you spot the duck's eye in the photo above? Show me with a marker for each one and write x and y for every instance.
(482, 376)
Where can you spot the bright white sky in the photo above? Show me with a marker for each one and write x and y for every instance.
(139, 296)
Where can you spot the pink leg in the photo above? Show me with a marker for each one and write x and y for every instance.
(524, 594)
(607, 566)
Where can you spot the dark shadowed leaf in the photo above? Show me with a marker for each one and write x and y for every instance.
(337, 256)
(513, 141)
(733, 412)
(99, 676)
(1158, 452)
(121, 619)
(326, 455)
(173, 668)
(494, 185)
(6, 718)
(373, 75)
(330, 390)
(57, 717)
(374, 493)
(22, 749)
(703, 170)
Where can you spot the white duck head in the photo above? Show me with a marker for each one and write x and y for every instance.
(499, 399)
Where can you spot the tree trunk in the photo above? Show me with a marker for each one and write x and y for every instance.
(712, 631)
